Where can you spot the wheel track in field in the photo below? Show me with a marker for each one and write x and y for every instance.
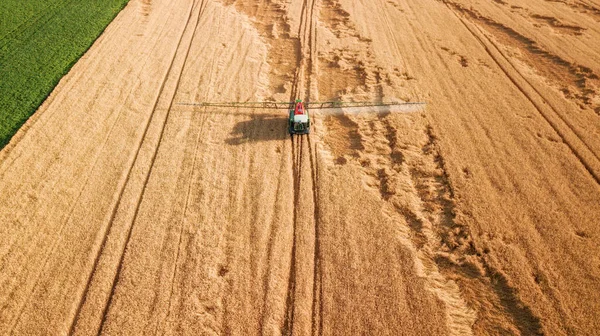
(271, 20)
(76, 317)
(180, 235)
(305, 87)
(5, 166)
(317, 305)
(202, 5)
(58, 241)
(495, 281)
(317, 293)
(188, 193)
(288, 325)
(565, 130)
(448, 243)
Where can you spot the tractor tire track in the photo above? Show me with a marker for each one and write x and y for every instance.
(189, 188)
(182, 242)
(313, 89)
(525, 320)
(571, 137)
(317, 306)
(297, 85)
(54, 254)
(141, 196)
(302, 87)
(288, 326)
(180, 235)
(313, 93)
(271, 251)
(56, 243)
(168, 74)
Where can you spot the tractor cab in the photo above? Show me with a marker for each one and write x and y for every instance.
(299, 122)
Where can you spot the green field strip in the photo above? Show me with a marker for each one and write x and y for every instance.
(18, 15)
(39, 49)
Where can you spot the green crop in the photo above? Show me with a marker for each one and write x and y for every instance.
(40, 40)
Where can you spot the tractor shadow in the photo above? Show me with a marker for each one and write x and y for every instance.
(259, 128)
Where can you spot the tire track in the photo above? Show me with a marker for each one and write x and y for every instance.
(66, 218)
(271, 250)
(524, 318)
(570, 136)
(265, 13)
(317, 306)
(312, 51)
(304, 87)
(288, 326)
(304, 51)
(119, 113)
(317, 292)
(189, 188)
(182, 225)
(73, 323)
(155, 152)
(297, 85)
